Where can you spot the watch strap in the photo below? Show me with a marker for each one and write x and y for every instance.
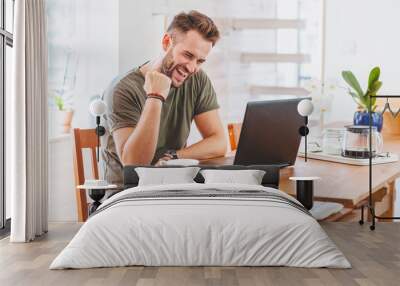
(173, 154)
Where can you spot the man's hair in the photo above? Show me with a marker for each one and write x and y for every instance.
(194, 20)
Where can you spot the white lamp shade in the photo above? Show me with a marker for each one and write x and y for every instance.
(305, 107)
(97, 107)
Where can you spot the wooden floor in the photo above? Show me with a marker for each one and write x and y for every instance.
(375, 257)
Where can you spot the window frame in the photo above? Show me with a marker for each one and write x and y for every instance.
(6, 39)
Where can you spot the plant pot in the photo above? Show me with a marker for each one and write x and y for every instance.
(361, 117)
(63, 119)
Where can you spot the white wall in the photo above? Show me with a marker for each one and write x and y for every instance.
(361, 34)
(98, 46)
(140, 30)
(90, 30)
(62, 197)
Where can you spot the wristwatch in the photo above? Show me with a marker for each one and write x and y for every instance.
(172, 153)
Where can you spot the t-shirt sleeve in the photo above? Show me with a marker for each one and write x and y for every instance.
(207, 99)
(125, 111)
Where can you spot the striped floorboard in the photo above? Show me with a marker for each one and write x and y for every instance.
(375, 257)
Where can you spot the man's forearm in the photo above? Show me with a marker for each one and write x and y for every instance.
(210, 147)
(141, 144)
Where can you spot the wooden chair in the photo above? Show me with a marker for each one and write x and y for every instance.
(234, 134)
(83, 138)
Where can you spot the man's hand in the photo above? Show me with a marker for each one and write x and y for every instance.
(158, 83)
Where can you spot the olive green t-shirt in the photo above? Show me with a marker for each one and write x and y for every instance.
(125, 99)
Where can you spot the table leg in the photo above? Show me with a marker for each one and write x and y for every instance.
(391, 197)
(384, 202)
(305, 193)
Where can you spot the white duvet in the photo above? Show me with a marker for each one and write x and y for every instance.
(200, 231)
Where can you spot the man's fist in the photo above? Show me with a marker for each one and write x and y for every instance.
(156, 82)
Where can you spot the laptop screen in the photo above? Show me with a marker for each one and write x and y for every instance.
(270, 133)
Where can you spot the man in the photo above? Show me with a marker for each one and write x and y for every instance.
(151, 107)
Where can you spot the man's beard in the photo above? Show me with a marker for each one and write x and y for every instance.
(168, 66)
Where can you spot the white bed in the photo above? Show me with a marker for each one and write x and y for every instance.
(185, 230)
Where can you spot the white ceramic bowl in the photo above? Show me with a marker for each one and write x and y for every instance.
(181, 162)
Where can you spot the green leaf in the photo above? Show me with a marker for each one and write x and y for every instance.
(359, 100)
(374, 90)
(373, 76)
(373, 100)
(59, 102)
(351, 80)
(375, 87)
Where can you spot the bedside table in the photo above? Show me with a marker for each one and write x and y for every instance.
(96, 193)
(305, 190)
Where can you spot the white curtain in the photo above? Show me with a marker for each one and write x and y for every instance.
(29, 139)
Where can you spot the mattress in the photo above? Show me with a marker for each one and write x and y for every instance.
(201, 225)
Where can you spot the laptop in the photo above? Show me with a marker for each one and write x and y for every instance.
(270, 133)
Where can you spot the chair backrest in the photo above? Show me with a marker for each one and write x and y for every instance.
(84, 139)
(234, 134)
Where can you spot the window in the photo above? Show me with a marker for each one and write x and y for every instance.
(6, 43)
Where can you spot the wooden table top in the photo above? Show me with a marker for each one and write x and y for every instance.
(347, 184)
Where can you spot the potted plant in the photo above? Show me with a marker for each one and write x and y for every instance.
(63, 114)
(361, 116)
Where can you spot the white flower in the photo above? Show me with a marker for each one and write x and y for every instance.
(321, 93)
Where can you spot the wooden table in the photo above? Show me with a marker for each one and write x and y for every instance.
(346, 184)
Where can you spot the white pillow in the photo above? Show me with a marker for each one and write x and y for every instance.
(249, 177)
(164, 176)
